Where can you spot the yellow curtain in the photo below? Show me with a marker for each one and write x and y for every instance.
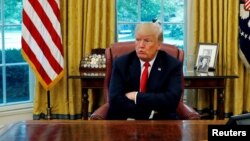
(86, 24)
(99, 32)
(216, 21)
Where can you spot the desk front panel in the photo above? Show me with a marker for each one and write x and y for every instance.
(92, 83)
(107, 130)
(204, 83)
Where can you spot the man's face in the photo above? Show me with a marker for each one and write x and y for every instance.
(147, 45)
(204, 61)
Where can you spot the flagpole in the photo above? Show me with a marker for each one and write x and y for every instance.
(49, 70)
(48, 106)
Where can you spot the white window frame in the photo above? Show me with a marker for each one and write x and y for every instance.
(13, 107)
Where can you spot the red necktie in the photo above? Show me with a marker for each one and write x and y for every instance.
(144, 77)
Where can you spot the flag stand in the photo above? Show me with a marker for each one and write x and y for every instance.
(48, 106)
(50, 69)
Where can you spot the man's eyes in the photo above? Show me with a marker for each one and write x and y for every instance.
(147, 40)
(144, 40)
(138, 40)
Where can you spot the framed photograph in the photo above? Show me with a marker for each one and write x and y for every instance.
(203, 63)
(206, 57)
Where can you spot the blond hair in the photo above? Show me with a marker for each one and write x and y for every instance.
(150, 28)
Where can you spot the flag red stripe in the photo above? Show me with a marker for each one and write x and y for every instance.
(41, 43)
(55, 8)
(247, 7)
(247, 4)
(35, 62)
(47, 23)
(41, 40)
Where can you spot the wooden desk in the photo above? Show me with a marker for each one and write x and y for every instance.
(210, 81)
(192, 81)
(88, 82)
(69, 130)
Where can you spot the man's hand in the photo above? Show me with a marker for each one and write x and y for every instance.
(131, 95)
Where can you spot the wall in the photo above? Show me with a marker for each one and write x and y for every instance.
(11, 117)
(14, 113)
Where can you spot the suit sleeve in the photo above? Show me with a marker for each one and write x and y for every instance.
(117, 90)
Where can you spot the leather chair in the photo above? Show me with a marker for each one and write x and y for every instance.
(117, 49)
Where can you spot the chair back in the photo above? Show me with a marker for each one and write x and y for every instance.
(120, 48)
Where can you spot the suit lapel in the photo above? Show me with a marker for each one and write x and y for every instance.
(135, 71)
(158, 71)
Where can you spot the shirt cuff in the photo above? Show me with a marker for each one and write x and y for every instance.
(136, 96)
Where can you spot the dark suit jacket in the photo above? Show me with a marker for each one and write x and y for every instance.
(164, 88)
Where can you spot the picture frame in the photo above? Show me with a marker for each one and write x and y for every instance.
(206, 57)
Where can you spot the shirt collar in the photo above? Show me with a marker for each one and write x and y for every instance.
(151, 62)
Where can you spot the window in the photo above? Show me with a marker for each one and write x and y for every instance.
(16, 78)
(171, 14)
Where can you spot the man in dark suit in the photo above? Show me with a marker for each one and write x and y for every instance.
(163, 88)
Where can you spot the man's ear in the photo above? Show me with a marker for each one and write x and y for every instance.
(159, 45)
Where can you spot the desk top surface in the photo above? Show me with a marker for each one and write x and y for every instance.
(69, 130)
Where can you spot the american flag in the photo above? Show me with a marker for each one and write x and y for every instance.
(244, 34)
(41, 40)
(247, 5)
